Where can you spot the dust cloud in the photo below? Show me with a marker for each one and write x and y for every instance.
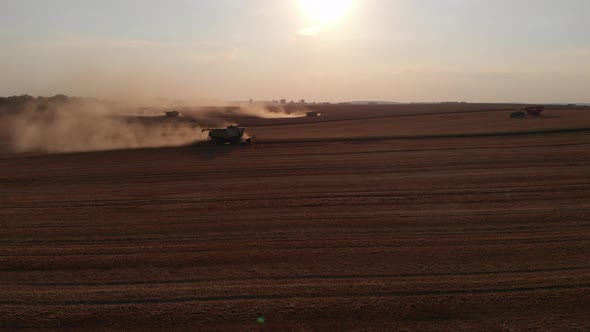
(271, 112)
(90, 126)
(62, 124)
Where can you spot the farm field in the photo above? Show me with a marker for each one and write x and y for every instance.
(375, 218)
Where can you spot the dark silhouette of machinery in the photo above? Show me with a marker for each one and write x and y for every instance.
(534, 110)
(518, 115)
(233, 135)
(172, 114)
(528, 111)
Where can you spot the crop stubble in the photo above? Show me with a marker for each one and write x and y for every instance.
(455, 232)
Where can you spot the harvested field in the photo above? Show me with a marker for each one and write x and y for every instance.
(441, 220)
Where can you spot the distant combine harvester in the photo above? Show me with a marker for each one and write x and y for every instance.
(172, 114)
(534, 111)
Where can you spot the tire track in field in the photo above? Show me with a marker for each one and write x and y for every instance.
(305, 296)
(289, 196)
(526, 230)
(517, 226)
(278, 248)
(148, 162)
(143, 164)
(309, 277)
(425, 137)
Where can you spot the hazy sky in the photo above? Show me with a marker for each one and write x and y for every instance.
(397, 50)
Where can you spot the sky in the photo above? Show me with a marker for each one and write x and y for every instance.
(385, 50)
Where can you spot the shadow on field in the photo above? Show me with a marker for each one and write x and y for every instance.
(550, 117)
(210, 152)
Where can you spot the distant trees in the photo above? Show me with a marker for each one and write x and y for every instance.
(16, 104)
(292, 102)
(59, 99)
(20, 99)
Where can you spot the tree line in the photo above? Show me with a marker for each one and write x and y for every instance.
(15, 104)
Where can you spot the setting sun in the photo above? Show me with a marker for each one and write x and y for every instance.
(325, 11)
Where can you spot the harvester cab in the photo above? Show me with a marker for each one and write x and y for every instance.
(233, 135)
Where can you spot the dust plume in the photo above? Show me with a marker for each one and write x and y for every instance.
(222, 115)
(89, 125)
(271, 112)
(63, 124)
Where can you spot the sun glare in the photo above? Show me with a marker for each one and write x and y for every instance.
(325, 11)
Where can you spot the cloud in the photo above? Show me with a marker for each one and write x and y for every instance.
(226, 56)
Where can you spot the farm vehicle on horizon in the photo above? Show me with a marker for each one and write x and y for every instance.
(534, 111)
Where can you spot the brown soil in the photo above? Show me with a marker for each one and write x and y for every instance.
(468, 221)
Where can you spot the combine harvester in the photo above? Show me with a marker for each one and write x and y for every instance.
(233, 135)
(528, 111)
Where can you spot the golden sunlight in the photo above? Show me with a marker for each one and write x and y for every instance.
(326, 11)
